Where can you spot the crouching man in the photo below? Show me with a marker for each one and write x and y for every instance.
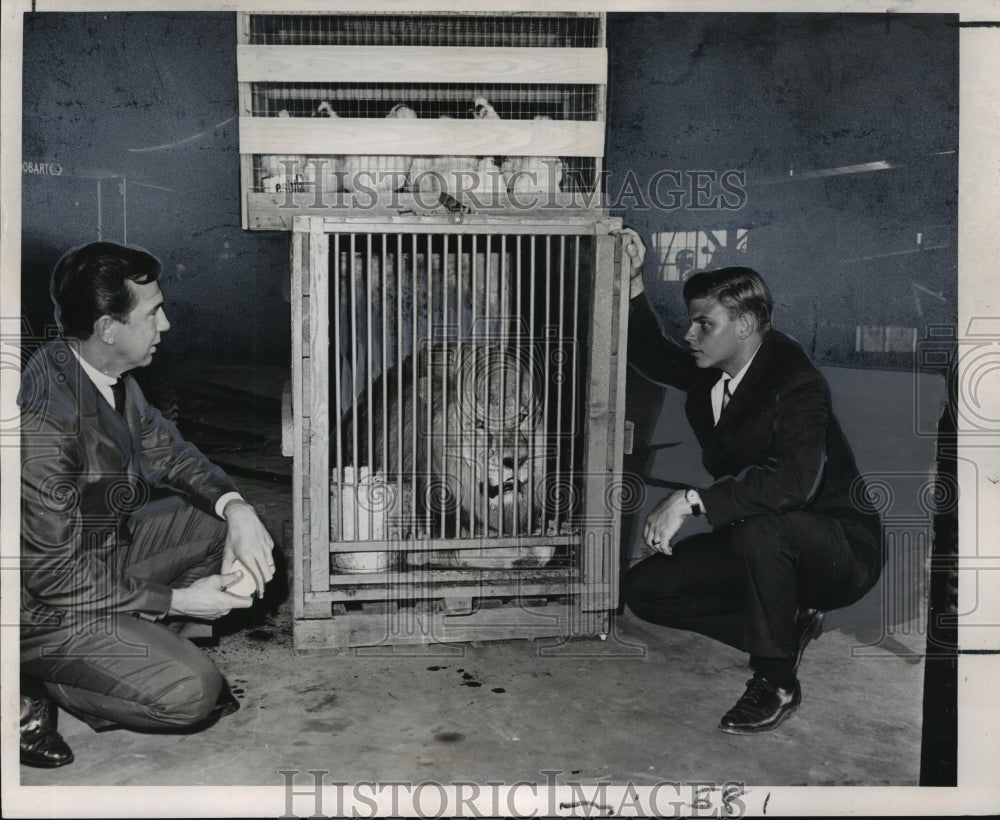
(128, 531)
(793, 533)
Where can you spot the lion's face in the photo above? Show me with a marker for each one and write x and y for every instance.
(489, 455)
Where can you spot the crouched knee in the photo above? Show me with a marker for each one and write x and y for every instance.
(648, 582)
(759, 534)
(635, 585)
(190, 698)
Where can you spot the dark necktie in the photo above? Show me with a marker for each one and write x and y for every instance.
(118, 389)
(726, 395)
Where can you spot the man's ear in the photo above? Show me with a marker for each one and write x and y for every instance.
(105, 329)
(747, 325)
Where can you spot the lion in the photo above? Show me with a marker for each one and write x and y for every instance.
(461, 425)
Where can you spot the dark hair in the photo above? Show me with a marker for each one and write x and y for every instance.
(91, 281)
(739, 290)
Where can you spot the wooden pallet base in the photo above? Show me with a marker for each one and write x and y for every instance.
(408, 626)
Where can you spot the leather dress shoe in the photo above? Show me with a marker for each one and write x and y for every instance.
(41, 745)
(763, 707)
(808, 627)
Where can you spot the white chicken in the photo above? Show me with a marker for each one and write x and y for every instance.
(384, 173)
(324, 168)
(532, 175)
(490, 180)
(325, 109)
(459, 177)
(482, 110)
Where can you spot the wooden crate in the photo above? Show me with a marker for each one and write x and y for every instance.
(475, 599)
(543, 75)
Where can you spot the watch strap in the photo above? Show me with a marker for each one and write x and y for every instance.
(692, 499)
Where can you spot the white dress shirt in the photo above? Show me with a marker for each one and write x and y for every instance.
(102, 381)
(719, 387)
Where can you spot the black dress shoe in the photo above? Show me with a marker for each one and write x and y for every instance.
(41, 745)
(808, 627)
(763, 707)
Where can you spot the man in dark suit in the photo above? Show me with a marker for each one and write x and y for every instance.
(128, 531)
(793, 533)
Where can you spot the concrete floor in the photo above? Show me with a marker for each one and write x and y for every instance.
(641, 706)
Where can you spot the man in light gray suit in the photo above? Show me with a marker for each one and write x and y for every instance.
(127, 529)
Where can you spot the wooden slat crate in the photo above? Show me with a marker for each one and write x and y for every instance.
(394, 113)
(458, 401)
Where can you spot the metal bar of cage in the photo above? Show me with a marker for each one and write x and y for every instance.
(497, 318)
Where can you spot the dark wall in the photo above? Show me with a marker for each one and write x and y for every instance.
(138, 111)
(776, 97)
(141, 109)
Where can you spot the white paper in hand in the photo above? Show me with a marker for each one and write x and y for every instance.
(245, 586)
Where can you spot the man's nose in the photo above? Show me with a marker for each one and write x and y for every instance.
(164, 324)
(689, 336)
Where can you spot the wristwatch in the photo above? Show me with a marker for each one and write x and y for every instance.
(693, 500)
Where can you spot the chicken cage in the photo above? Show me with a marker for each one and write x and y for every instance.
(419, 113)
(458, 428)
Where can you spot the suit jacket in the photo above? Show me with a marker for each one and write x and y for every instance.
(777, 447)
(84, 471)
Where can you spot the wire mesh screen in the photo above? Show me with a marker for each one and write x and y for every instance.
(521, 101)
(456, 377)
(467, 29)
(400, 172)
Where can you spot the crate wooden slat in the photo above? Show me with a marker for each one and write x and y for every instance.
(408, 628)
(421, 64)
(466, 544)
(300, 434)
(292, 135)
(494, 580)
(244, 101)
(317, 402)
(606, 405)
(442, 589)
(277, 211)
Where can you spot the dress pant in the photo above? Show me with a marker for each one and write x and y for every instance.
(743, 584)
(121, 669)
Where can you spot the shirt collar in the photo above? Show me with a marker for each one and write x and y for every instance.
(102, 381)
(734, 382)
